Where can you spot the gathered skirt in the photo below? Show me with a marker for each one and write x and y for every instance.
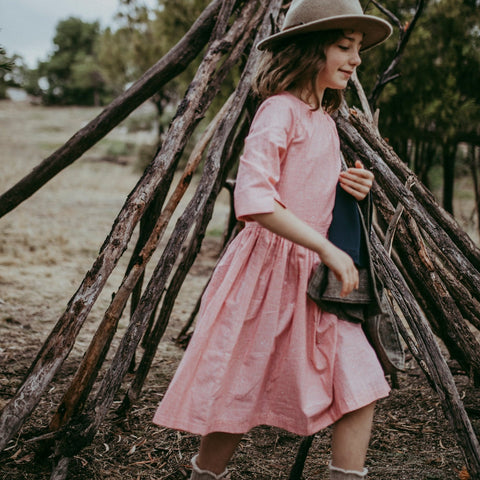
(264, 354)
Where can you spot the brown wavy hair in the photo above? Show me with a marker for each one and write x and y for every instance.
(294, 64)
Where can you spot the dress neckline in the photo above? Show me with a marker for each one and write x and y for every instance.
(309, 107)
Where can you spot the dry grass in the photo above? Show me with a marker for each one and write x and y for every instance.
(49, 242)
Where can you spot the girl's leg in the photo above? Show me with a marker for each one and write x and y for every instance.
(350, 438)
(216, 449)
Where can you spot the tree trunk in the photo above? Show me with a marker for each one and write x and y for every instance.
(474, 154)
(449, 153)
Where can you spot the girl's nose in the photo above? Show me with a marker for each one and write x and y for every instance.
(355, 59)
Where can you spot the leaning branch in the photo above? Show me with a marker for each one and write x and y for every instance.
(168, 67)
(436, 366)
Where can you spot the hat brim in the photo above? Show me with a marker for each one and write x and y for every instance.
(375, 30)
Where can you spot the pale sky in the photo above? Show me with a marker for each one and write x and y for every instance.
(27, 27)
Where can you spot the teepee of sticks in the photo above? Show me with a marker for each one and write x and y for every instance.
(428, 264)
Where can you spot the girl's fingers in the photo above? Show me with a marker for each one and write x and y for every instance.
(358, 194)
(343, 267)
(362, 186)
(356, 181)
(349, 285)
(358, 164)
(349, 279)
(357, 175)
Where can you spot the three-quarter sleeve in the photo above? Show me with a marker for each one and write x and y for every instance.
(260, 165)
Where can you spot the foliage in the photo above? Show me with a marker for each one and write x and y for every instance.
(6, 65)
(143, 37)
(435, 104)
(426, 112)
(72, 72)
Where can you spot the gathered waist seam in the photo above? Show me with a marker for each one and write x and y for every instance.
(323, 228)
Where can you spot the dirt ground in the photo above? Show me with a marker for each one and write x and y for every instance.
(46, 246)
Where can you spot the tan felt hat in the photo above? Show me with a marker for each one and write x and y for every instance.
(305, 16)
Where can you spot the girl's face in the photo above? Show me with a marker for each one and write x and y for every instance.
(342, 58)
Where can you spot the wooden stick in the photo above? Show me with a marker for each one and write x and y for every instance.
(158, 280)
(362, 97)
(296, 472)
(445, 221)
(83, 431)
(437, 367)
(393, 224)
(469, 306)
(81, 384)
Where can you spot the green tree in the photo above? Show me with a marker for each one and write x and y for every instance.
(6, 65)
(434, 104)
(143, 37)
(5, 62)
(72, 70)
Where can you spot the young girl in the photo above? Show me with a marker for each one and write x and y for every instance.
(262, 352)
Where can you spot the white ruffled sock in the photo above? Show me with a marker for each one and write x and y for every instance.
(341, 474)
(199, 474)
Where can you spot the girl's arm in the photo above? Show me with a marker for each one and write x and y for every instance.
(286, 224)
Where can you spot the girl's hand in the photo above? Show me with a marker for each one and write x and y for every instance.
(357, 181)
(285, 223)
(341, 264)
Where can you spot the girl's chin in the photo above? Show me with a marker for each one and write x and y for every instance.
(339, 85)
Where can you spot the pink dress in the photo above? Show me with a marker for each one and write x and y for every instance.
(262, 351)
